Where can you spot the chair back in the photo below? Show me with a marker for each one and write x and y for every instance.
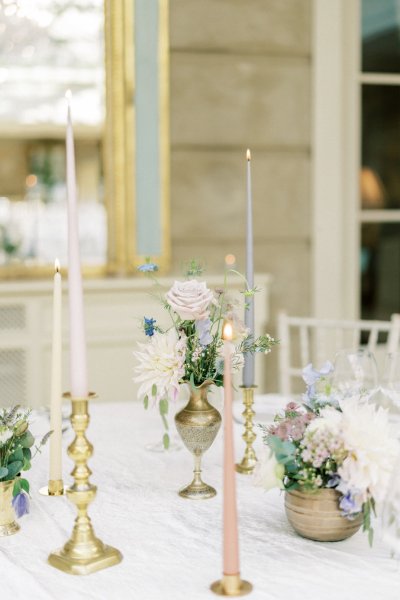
(307, 339)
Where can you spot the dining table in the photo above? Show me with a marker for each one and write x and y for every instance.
(172, 546)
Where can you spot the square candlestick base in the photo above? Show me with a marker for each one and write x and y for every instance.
(108, 557)
(231, 585)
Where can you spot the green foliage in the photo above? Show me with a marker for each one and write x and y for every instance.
(163, 407)
(14, 468)
(18, 454)
(285, 452)
(19, 485)
(368, 508)
(166, 441)
(146, 402)
(27, 440)
(16, 443)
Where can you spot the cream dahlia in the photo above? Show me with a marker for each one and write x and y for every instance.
(160, 365)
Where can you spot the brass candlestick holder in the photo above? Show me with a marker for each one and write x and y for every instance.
(249, 460)
(231, 585)
(84, 553)
(54, 488)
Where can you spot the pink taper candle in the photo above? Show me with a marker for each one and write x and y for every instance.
(78, 369)
(231, 544)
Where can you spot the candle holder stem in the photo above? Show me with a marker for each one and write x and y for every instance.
(231, 585)
(249, 460)
(84, 553)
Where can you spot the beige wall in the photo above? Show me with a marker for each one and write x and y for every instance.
(240, 77)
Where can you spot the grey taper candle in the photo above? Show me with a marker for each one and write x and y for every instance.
(248, 369)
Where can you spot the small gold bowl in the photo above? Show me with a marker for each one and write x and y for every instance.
(317, 516)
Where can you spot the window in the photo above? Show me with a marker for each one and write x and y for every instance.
(379, 215)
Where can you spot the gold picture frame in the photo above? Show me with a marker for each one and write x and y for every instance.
(121, 144)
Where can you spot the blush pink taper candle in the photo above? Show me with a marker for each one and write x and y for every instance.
(231, 543)
(78, 368)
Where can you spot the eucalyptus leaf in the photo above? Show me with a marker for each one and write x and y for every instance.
(166, 441)
(17, 455)
(370, 536)
(3, 472)
(164, 406)
(154, 390)
(14, 468)
(27, 454)
(146, 402)
(27, 440)
(27, 465)
(25, 485)
(165, 422)
(17, 487)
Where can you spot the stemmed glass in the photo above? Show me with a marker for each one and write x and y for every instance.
(390, 383)
(355, 372)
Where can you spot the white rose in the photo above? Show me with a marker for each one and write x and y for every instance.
(268, 473)
(190, 299)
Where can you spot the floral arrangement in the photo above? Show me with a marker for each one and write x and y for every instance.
(189, 350)
(16, 444)
(331, 442)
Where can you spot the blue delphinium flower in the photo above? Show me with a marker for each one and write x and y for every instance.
(148, 325)
(311, 375)
(148, 267)
(333, 481)
(203, 331)
(20, 503)
(348, 505)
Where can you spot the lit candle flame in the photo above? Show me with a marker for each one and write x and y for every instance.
(248, 154)
(57, 265)
(227, 331)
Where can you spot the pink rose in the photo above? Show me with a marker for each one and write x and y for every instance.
(190, 299)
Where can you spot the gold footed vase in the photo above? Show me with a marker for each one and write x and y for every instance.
(8, 524)
(198, 424)
(317, 515)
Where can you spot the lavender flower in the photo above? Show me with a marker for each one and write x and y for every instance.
(20, 504)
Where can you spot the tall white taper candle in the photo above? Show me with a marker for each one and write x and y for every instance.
(55, 473)
(78, 368)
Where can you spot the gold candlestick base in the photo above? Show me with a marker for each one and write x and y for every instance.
(84, 553)
(55, 488)
(249, 460)
(231, 585)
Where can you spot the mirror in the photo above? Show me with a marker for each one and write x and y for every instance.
(47, 47)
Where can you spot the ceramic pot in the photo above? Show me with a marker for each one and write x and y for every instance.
(317, 516)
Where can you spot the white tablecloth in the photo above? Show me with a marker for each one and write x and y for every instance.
(172, 546)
